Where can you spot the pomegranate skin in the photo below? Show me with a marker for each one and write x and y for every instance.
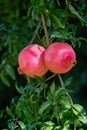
(31, 61)
(60, 57)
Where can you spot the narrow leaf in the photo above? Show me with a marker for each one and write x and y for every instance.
(10, 71)
(83, 119)
(57, 21)
(4, 78)
(44, 106)
(79, 109)
(52, 87)
(74, 12)
(21, 124)
(10, 113)
(60, 92)
(27, 114)
(61, 13)
(19, 90)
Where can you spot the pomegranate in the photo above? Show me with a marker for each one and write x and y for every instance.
(60, 57)
(31, 61)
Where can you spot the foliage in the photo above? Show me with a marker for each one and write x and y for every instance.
(41, 103)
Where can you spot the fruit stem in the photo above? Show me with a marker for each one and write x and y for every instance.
(45, 29)
(46, 80)
(67, 94)
(63, 86)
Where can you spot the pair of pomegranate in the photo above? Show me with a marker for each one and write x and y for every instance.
(35, 60)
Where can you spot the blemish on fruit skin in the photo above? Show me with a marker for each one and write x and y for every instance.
(33, 53)
(39, 49)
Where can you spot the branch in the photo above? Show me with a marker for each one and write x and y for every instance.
(45, 29)
(67, 94)
(74, 127)
(35, 34)
(46, 80)
(63, 86)
(35, 128)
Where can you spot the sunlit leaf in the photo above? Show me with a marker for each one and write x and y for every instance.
(79, 109)
(10, 124)
(47, 126)
(44, 106)
(80, 112)
(57, 21)
(21, 124)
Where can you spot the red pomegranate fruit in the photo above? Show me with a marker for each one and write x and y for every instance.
(31, 61)
(60, 57)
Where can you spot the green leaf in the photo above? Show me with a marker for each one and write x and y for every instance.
(60, 92)
(29, 10)
(40, 8)
(44, 106)
(68, 81)
(27, 115)
(64, 127)
(57, 21)
(57, 128)
(65, 102)
(48, 126)
(60, 128)
(83, 119)
(80, 112)
(18, 110)
(21, 124)
(66, 124)
(56, 34)
(9, 69)
(79, 109)
(33, 125)
(5, 129)
(48, 22)
(10, 124)
(10, 113)
(49, 123)
(74, 12)
(52, 88)
(61, 13)
(20, 90)
(4, 78)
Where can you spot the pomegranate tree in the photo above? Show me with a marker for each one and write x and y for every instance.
(60, 57)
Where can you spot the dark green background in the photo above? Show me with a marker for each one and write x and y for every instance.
(16, 30)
